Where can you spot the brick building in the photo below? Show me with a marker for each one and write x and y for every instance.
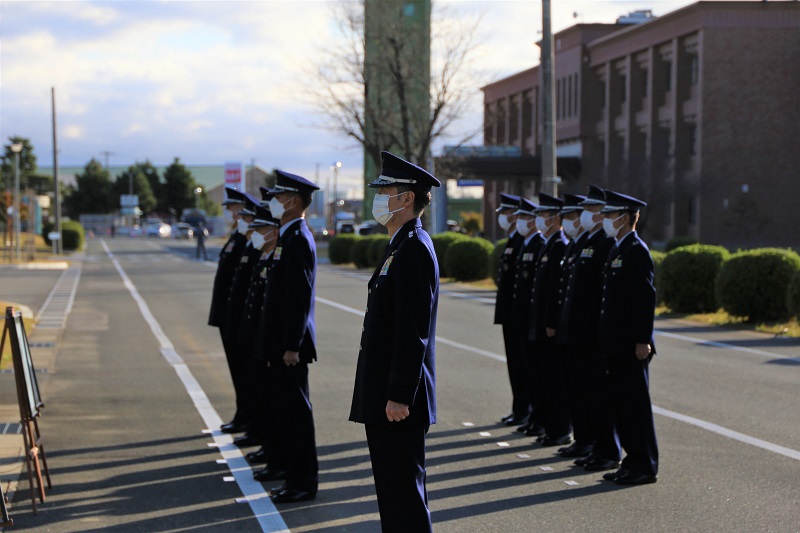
(696, 111)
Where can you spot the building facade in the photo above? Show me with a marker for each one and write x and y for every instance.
(696, 112)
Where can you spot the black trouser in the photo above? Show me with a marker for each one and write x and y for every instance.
(532, 385)
(232, 355)
(397, 452)
(629, 380)
(601, 411)
(201, 245)
(513, 338)
(551, 380)
(294, 422)
(579, 376)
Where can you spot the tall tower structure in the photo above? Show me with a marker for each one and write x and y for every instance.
(396, 83)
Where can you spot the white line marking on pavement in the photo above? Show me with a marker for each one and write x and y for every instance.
(714, 428)
(264, 510)
(715, 344)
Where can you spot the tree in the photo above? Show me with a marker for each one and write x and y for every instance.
(154, 179)
(27, 162)
(93, 192)
(141, 187)
(379, 112)
(179, 187)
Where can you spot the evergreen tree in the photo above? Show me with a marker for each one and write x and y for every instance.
(178, 187)
(141, 187)
(93, 193)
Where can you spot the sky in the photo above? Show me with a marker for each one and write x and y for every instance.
(217, 81)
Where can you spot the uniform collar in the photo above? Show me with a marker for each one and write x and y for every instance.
(285, 227)
(530, 237)
(408, 226)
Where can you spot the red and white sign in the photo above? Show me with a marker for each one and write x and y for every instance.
(234, 177)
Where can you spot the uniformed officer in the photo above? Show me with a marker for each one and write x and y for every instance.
(550, 390)
(515, 358)
(521, 305)
(595, 440)
(287, 339)
(263, 239)
(395, 386)
(625, 338)
(228, 259)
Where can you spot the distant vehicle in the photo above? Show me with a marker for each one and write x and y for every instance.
(183, 230)
(194, 217)
(129, 231)
(368, 227)
(345, 226)
(317, 226)
(159, 230)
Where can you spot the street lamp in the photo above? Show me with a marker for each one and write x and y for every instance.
(335, 167)
(16, 148)
(197, 192)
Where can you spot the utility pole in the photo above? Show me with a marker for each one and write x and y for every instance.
(16, 148)
(56, 195)
(550, 177)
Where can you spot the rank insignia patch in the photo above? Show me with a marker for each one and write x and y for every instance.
(587, 252)
(616, 263)
(278, 251)
(385, 267)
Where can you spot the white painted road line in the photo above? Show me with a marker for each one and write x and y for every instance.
(714, 428)
(264, 510)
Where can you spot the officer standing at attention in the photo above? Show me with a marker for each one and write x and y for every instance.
(288, 336)
(627, 312)
(550, 391)
(515, 358)
(395, 386)
(521, 306)
(228, 259)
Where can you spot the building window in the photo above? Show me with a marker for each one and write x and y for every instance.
(527, 116)
(575, 88)
(569, 96)
(694, 69)
(691, 137)
(644, 84)
(602, 93)
(623, 89)
(558, 99)
(513, 121)
(501, 122)
(667, 76)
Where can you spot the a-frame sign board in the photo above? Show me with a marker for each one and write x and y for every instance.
(30, 402)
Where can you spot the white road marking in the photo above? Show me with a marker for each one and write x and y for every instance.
(714, 428)
(725, 345)
(264, 510)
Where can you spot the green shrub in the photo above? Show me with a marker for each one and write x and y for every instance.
(677, 242)
(468, 260)
(360, 253)
(340, 246)
(441, 242)
(753, 283)
(377, 247)
(658, 260)
(72, 235)
(793, 296)
(494, 259)
(688, 275)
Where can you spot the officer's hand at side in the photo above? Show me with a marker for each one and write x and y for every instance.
(396, 412)
(550, 332)
(642, 351)
(291, 358)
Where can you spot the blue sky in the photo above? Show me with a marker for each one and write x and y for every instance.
(216, 81)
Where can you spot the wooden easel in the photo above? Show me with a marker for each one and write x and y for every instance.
(30, 403)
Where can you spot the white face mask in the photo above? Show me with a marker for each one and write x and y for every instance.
(523, 228)
(572, 228)
(257, 239)
(241, 226)
(541, 223)
(608, 226)
(504, 222)
(380, 208)
(276, 208)
(587, 220)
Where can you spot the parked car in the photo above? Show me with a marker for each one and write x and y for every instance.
(345, 226)
(368, 227)
(317, 226)
(158, 229)
(182, 230)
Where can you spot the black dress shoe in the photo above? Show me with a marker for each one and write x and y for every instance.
(506, 418)
(583, 461)
(535, 431)
(632, 478)
(598, 465)
(234, 427)
(269, 474)
(257, 458)
(246, 440)
(293, 496)
(524, 427)
(516, 421)
(612, 476)
(276, 490)
(576, 450)
(556, 441)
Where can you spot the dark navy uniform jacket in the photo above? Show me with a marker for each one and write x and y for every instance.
(239, 288)
(523, 280)
(628, 301)
(287, 315)
(580, 310)
(506, 279)
(544, 298)
(228, 259)
(253, 302)
(397, 357)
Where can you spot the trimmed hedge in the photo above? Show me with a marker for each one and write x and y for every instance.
(793, 296)
(340, 246)
(359, 253)
(468, 260)
(658, 260)
(687, 279)
(753, 283)
(377, 247)
(494, 260)
(677, 242)
(72, 235)
(443, 241)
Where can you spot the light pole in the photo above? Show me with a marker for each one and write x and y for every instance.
(16, 148)
(335, 167)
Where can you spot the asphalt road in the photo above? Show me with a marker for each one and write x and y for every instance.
(139, 376)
